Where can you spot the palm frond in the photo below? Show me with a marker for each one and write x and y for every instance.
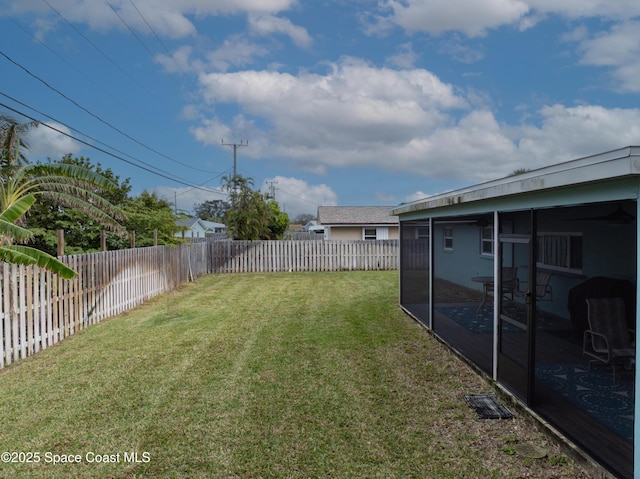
(95, 207)
(10, 232)
(25, 255)
(70, 185)
(76, 172)
(16, 209)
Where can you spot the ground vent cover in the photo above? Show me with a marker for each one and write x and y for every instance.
(487, 406)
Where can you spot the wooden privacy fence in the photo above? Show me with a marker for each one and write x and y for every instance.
(278, 256)
(38, 309)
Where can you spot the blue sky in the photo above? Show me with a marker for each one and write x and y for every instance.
(342, 102)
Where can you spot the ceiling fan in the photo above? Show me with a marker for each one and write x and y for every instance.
(617, 217)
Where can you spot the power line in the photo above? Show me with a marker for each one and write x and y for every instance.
(98, 86)
(95, 46)
(45, 83)
(297, 197)
(86, 135)
(248, 175)
(102, 150)
(204, 182)
(43, 44)
(160, 41)
(130, 29)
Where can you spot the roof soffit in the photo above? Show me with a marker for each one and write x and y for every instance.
(597, 168)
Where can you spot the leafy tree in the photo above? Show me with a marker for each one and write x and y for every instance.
(142, 214)
(279, 221)
(147, 213)
(212, 210)
(253, 215)
(21, 183)
(519, 171)
(82, 233)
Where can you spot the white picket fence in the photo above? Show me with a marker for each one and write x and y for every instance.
(279, 256)
(39, 309)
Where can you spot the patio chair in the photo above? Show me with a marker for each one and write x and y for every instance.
(608, 340)
(509, 280)
(543, 289)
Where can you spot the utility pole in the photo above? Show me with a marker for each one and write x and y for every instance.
(235, 149)
(272, 188)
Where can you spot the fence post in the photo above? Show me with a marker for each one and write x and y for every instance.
(60, 235)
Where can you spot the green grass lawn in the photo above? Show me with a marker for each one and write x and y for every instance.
(259, 376)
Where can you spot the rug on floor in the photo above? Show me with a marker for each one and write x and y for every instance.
(481, 321)
(593, 391)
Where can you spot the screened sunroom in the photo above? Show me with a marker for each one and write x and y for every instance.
(533, 279)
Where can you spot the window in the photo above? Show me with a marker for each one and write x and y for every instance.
(560, 251)
(369, 233)
(448, 238)
(422, 232)
(486, 240)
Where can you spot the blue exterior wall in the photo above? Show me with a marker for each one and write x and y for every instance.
(465, 260)
(560, 210)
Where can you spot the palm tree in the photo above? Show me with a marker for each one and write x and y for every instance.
(21, 183)
(68, 185)
(250, 214)
(12, 144)
(20, 254)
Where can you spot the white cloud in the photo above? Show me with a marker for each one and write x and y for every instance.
(357, 115)
(235, 51)
(360, 116)
(472, 17)
(566, 133)
(460, 51)
(268, 24)
(405, 57)
(187, 197)
(211, 131)
(46, 142)
(475, 17)
(354, 115)
(296, 196)
(618, 49)
(169, 18)
(574, 9)
(180, 60)
(418, 195)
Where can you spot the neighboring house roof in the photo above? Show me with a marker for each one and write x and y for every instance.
(313, 226)
(212, 225)
(355, 215)
(190, 223)
(187, 222)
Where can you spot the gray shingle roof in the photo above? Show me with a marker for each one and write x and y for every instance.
(187, 222)
(356, 215)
